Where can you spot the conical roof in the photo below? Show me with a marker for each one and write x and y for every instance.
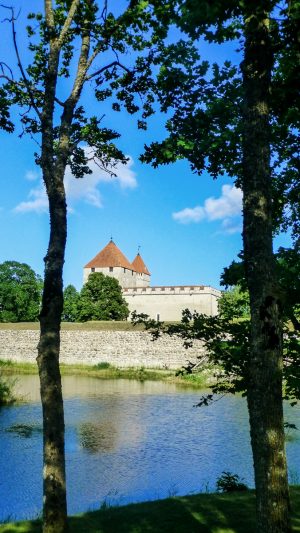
(139, 265)
(110, 256)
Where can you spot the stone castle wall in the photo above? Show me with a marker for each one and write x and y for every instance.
(119, 348)
(167, 303)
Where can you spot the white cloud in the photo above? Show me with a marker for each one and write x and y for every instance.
(225, 208)
(190, 214)
(230, 226)
(32, 175)
(83, 189)
(228, 205)
(38, 201)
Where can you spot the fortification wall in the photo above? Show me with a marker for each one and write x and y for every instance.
(119, 348)
(167, 303)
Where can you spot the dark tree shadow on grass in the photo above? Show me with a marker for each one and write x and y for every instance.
(203, 513)
(194, 514)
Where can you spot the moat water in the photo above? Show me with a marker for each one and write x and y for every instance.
(127, 441)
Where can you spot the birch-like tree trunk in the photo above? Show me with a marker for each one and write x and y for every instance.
(54, 479)
(265, 387)
(53, 163)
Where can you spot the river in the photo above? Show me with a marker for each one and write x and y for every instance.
(127, 441)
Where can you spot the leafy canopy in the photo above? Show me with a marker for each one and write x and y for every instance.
(20, 292)
(71, 301)
(205, 100)
(101, 299)
(107, 51)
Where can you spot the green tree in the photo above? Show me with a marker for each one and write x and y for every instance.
(20, 292)
(288, 275)
(71, 300)
(101, 299)
(237, 120)
(76, 45)
(234, 303)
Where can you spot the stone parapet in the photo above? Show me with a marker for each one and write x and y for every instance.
(175, 289)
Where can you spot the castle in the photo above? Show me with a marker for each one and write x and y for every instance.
(162, 302)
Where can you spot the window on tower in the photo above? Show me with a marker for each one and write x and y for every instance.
(111, 269)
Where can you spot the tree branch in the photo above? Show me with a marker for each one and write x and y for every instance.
(112, 64)
(70, 103)
(34, 89)
(104, 11)
(25, 79)
(68, 22)
(81, 67)
(49, 14)
(2, 65)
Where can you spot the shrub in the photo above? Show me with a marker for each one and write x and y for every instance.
(6, 395)
(229, 482)
(102, 365)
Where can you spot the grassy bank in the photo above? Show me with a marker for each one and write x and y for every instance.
(76, 326)
(202, 513)
(106, 371)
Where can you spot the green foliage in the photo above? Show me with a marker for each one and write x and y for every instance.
(6, 396)
(20, 292)
(71, 301)
(101, 299)
(234, 303)
(123, 48)
(288, 279)
(288, 275)
(227, 345)
(6, 385)
(229, 482)
(101, 366)
(205, 101)
(5, 122)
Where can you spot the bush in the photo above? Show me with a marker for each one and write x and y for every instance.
(229, 482)
(6, 396)
(103, 365)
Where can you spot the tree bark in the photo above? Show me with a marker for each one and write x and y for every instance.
(54, 479)
(53, 163)
(265, 387)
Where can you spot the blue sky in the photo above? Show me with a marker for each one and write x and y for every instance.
(188, 227)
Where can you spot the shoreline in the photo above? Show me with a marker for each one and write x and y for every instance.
(201, 380)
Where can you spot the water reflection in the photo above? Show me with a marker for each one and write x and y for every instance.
(24, 430)
(97, 437)
(126, 441)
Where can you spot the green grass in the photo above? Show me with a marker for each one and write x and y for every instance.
(104, 370)
(92, 325)
(74, 326)
(202, 513)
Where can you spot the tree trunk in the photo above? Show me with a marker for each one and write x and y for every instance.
(54, 479)
(265, 387)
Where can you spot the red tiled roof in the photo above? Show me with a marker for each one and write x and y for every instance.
(110, 256)
(139, 265)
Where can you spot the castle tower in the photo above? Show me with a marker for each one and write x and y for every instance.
(112, 262)
(143, 274)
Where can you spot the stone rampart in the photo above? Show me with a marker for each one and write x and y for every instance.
(119, 348)
(167, 303)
